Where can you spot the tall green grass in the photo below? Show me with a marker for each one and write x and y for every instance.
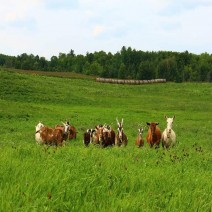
(76, 178)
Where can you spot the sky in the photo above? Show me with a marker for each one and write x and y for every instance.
(49, 27)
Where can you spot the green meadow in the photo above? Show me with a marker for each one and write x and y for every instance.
(79, 178)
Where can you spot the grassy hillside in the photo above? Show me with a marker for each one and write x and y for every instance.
(75, 178)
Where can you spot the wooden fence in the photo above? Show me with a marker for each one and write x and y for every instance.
(131, 82)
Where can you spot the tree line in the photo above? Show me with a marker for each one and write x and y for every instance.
(127, 63)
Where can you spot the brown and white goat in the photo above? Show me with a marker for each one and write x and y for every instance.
(121, 138)
(139, 140)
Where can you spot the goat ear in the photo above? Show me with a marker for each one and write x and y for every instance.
(148, 123)
(117, 121)
(157, 123)
(122, 121)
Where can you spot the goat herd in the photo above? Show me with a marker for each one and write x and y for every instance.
(104, 135)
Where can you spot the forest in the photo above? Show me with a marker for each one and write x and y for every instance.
(127, 63)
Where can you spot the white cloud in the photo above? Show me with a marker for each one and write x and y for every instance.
(13, 10)
(45, 28)
(98, 30)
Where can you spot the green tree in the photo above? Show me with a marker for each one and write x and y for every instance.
(146, 71)
(122, 71)
(96, 69)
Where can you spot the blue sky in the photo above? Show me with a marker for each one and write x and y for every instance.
(48, 27)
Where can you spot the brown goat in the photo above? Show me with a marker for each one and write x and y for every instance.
(140, 141)
(154, 134)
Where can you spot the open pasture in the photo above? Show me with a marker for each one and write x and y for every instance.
(78, 178)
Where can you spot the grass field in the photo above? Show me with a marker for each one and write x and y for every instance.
(76, 178)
